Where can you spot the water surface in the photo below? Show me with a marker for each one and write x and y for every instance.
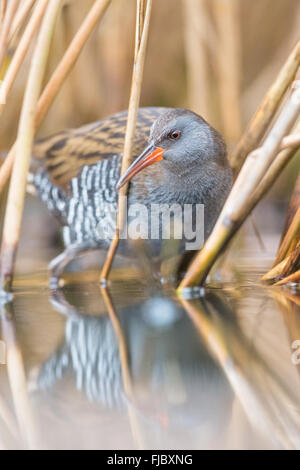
(133, 367)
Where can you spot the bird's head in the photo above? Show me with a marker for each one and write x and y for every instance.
(181, 142)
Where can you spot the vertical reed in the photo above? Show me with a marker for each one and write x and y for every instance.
(267, 109)
(20, 16)
(228, 59)
(142, 33)
(17, 189)
(3, 7)
(198, 80)
(21, 51)
(10, 12)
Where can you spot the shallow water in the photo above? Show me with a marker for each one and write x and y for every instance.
(133, 367)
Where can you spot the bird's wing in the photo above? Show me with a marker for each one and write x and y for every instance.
(64, 154)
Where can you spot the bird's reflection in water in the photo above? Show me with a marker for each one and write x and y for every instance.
(91, 351)
(182, 367)
(175, 383)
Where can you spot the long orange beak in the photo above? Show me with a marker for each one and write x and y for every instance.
(148, 157)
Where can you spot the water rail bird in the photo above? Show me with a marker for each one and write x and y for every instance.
(178, 158)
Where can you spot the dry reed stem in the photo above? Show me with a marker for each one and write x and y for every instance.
(21, 51)
(198, 83)
(20, 17)
(293, 262)
(267, 109)
(274, 171)
(290, 238)
(6, 167)
(135, 92)
(285, 267)
(276, 270)
(140, 18)
(252, 181)
(70, 57)
(3, 7)
(228, 61)
(293, 207)
(4, 32)
(17, 189)
(292, 140)
(59, 76)
(289, 246)
(292, 278)
(289, 141)
(291, 213)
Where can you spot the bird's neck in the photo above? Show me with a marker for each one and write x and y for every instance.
(181, 187)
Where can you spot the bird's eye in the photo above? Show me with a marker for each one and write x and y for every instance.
(174, 135)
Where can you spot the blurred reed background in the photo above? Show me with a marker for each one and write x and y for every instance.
(216, 57)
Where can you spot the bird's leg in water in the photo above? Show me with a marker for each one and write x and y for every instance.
(58, 264)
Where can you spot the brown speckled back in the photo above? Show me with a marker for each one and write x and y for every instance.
(65, 153)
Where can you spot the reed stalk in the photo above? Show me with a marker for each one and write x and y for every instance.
(290, 141)
(293, 262)
(3, 7)
(258, 172)
(291, 237)
(17, 189)
(228, 61)
(136, 86)
(198, 82)
(288, 256)
(59, 76)
(293, 278)
(276, 270)
(286, 266)
(266, 110)
(21, 51)
(20, 17)
(10, 12)
(293, 207)
(70, 57)
(140, 20)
